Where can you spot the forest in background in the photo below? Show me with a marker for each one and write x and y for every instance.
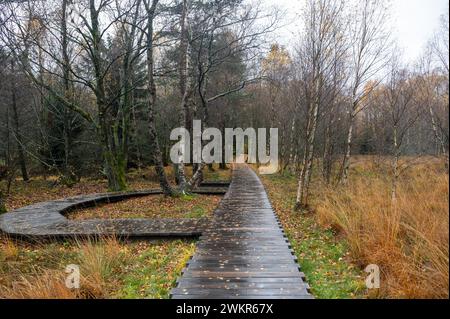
(95, 87)
(91, 89)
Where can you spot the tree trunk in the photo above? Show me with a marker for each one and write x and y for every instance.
(197, 177)
(115, 169)
(68, 172)
(135, 140)
(395, 173)
(439, 139)
(348, 149)
(223, 164)
(17, 133)
(2, 203)
(157, 156)
(185, 93)
(10, 165)
(327, 160)
(301, 182)
(291, 143)
(306, 171)
(114, 158)
(115, 161)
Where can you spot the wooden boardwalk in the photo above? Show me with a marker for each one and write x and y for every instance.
(47, 220)
(243, 254)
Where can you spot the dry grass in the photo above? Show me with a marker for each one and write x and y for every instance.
(108, 268)
(28, 278)
(98, 262)
(9, 250)
(408, 239)
(44, 285)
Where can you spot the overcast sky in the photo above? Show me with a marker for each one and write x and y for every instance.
(413, 22)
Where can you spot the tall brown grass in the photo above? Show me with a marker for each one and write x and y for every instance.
(38, 285)
(98, 259)
(408, 239)
(8, 249)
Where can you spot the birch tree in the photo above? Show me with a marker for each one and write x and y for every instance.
(16, 124)
(321, 25)
(429, 93)
(370, 41)
(440, 50)
(241, 28)
(185, 90)
(398, 97)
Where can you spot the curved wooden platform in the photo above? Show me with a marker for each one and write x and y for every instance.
(46, 220)
(243, 253)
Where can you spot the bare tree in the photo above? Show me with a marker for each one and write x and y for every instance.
(440, 48)
(16, 123)
(398, 97)
(335, 98)
(152, 98)
(429, 92)
(440, 43)
(185, 90)
(370, 42)
(321, 25)
(241, 29)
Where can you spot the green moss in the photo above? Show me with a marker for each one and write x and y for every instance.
(188, 197)
(324, 261)
(197, 212)
(153, 273)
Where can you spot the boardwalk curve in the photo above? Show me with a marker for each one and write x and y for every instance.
(47, 220)
(243, 253)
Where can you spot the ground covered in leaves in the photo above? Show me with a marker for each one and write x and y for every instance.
(153, 206)
(40, 189)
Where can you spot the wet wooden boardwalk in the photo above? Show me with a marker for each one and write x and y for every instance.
(243, 254)
(47, 220)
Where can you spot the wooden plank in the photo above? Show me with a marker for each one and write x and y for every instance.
(243, 292)
(244, 259)
(243, 285)
(232, 266)
(228, 296)
(268, 280)
(243, 274)
(244, 269)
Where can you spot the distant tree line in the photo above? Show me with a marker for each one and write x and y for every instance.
(346, 90)
(94, 87)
